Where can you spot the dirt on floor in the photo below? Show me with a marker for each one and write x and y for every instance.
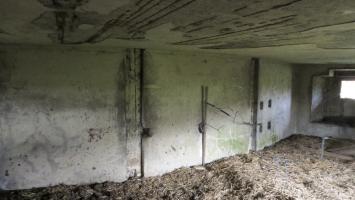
(291, 169)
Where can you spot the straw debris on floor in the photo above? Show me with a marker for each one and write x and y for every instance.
(291, 169)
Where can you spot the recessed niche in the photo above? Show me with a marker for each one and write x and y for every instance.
(269, 125)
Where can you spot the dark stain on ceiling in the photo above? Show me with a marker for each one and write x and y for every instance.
(204, 24)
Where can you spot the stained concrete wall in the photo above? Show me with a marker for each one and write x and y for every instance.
(275, 85)
(302, 99)
(64, 112)
(172, 110)
(61, 117)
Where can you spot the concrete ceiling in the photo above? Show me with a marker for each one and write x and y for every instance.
(307, 31)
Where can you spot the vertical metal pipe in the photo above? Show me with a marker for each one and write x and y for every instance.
(204, 122)
(255, 100)
(322, 147)
(141, 103)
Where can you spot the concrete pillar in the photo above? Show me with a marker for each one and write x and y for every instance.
(133, 112)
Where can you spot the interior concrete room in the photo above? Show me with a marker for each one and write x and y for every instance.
(177, 99)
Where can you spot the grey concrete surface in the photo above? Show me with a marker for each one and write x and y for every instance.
(302, 99)
(62, 118)
(275, 88)
(172, 109)
(317, 31)
(75, 96)
(72, 116)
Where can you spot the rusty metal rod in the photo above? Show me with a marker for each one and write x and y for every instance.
(204, 99)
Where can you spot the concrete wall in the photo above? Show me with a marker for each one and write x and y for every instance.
(61, 118)
(275, 84)
(72, 116)
(172, 96)
(327, 104)
(302, 87)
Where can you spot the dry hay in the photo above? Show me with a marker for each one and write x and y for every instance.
(289, 170)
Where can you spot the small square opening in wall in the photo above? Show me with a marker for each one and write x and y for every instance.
(347, 90)
(268, 125)
(269, 103)
(260, 128)
(261, 105)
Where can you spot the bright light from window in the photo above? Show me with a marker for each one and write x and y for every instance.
(347, 90)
